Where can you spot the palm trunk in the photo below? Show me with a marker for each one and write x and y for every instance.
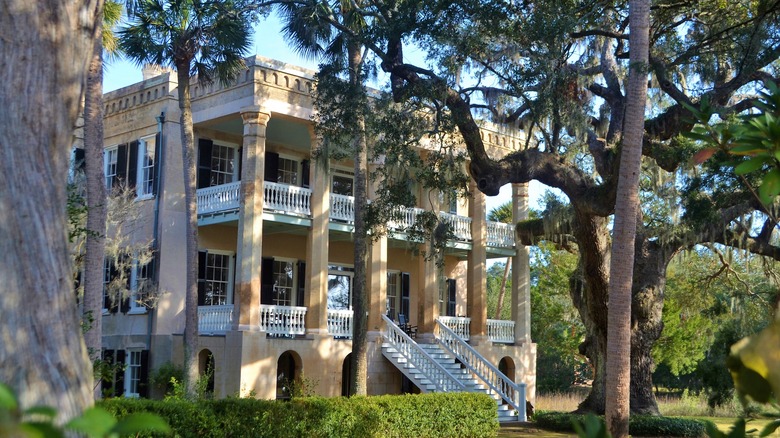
(502, 291)
(191, 232)
(96, 206)
(45, 48)
(359, 294)
(626, 210)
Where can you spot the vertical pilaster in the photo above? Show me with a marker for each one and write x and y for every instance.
(250, 222)
(428, 303)
(377, 271)
(317, 246)
(476, 276)
(521, 284)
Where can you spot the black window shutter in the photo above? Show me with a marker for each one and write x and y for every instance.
(119, 382)
(202, 277)
(267, 281)
(301, 283)
(143, 385)
(271, 166)
(204, 162)
(240, 153)
(107, 381)
(451, 293)
(157, 164)
(124, 298)
(112, 298)
(121, 165)
(305, 173)
(78, 159)
(132, 164)
(405, 285)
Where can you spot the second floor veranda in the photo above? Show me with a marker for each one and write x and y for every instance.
(292, 204)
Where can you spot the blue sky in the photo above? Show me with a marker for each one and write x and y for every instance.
(270, 43)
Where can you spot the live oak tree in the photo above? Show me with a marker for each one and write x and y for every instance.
(45, 47)
(557, 71)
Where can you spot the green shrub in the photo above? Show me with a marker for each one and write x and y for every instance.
(423, 415)
(639, 425)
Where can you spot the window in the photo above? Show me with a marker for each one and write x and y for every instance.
(393, 294)
(288, 171)
(215, 278)
(447, 293)
(218, 163)
(127, 283)
(146, 161)
(342, 183)
(284, 282)
(340, 287)
(133, 373)
(109, 161)
(108, 273)
(141, 284)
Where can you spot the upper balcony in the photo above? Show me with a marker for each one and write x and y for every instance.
(221, 203)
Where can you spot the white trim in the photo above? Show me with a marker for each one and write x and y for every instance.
(129, 366)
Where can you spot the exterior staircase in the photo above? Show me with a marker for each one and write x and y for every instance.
(434, 368)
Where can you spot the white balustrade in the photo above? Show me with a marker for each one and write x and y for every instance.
(500, 235)
(501, 331)
(407, 219)
(513, 393)
(340, 323)
(342, 208)
(283, 320)
(215, 319)
(461, 325)
(219, 198)
(287, 199)
(460, 225)
(422, 361)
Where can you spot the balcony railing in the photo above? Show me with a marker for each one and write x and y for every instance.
(287, 199)
(219, 198)
(283, 320)
(501, 331)
(458, 324)
(500, 235)
(215, 319)
(407, 219)
(342, 208)
(460, 225)
(340, 323)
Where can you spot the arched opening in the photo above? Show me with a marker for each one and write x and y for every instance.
(287, 375)
(507, 366)
(346, 376)
(206, 369)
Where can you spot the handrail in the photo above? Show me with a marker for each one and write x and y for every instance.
(511, 392)
(429, 367)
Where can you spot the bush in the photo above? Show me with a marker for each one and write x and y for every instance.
(639, 425)
(422, 415)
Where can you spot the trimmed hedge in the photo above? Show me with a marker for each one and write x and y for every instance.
(639, 425)
(423, 415)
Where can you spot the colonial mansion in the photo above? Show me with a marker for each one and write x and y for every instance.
(275, 263)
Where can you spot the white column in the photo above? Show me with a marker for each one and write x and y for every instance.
(521, 285)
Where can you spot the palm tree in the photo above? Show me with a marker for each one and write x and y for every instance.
(312, 28)
(95, 182)
(203, 38)
(503, 214)
(626, 208)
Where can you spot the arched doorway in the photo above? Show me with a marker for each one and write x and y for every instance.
(287, 375)
(507, 366)
(346, 376)
(206, 370)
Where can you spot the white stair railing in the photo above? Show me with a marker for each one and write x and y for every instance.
(340, 323)
(342, 208)
(513, 393)
(218, 198)
(422, 361)
(287, 199)
(215, 319)
(283, 320)
(460, 225)
(461, 325)
(501, 331)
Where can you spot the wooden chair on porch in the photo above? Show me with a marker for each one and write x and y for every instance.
(404, 325)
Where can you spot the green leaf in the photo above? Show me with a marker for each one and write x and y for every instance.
(45, 411)
(40, 429)
(713, 431)
(7, 397)
(770, 428)
(142, 421)
(770, 186)
(750, 165)
(747, 149)
(94, 422)
(737, 430)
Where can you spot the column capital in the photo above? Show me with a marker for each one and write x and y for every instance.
(255, 115)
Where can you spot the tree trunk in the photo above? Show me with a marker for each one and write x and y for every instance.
(626, 211)
(359, 292)
(44, 47)
(502, 291)
(96, 205)
(189, 171)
